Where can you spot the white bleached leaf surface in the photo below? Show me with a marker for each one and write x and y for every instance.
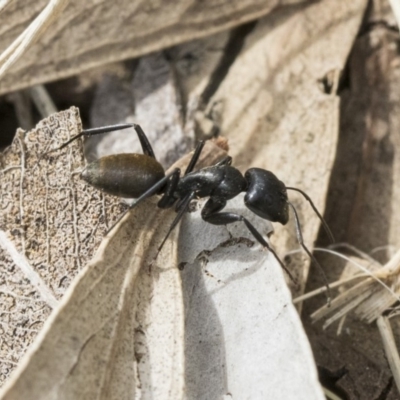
(244, 338)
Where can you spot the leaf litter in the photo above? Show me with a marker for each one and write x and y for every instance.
(235, 145)
(118, 332)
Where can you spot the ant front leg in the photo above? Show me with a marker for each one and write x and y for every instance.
(195, 158)
(225, 161)
(211, 214)
(196, 155)
(168, 199)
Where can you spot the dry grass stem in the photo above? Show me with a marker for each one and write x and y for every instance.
(368, 299)
(389, 345)
(31, 34)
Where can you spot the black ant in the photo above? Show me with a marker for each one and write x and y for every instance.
(141, 176)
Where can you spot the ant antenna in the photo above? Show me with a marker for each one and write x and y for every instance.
(308, 198)
(301, 242)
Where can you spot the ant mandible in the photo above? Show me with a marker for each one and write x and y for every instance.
(141, 176)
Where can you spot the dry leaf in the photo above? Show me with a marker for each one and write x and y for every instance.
(362, 203)
(89, 34)
(46, 243)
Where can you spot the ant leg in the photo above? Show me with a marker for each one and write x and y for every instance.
(314, 260)
(225, 161)
(92, 132)
(144, 141)
(156, 187)
(183, 207)
(146, 146)
(150, 192)
(195, 157)
(211, 214)
(168, 199)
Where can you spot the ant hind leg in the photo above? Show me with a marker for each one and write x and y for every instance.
(144, 141)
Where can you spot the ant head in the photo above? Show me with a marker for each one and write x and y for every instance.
(266, 195)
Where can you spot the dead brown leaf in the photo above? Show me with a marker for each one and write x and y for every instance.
(44, 243)
(89, 34)
(363, 198)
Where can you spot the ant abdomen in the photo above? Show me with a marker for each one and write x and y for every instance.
(124, 175)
